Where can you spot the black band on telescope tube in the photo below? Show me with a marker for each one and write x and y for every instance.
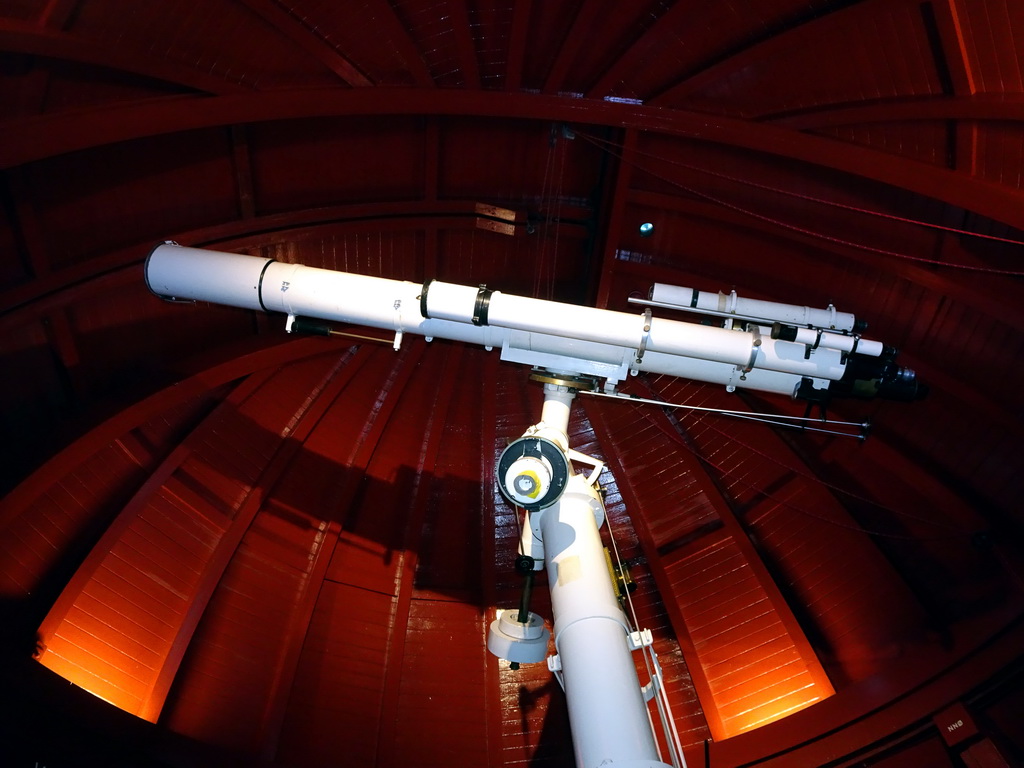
(482, 306)
(693, 299)
(145, 267)
(423, 298)
(783, 332)
(259, 287)
(310, 326)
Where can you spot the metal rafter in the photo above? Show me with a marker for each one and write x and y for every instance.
(32, 139)
(949, 24)
(20, 37)
(616, 216)
(651, 37)
(1008, 107)
(242, 160)
(390, 28)
(763, 50)
(464, 43)
(294, 27)
(360, 456)
(576, 38)
(709, 482)
(57, 14)
(411, 540)
(518, 40)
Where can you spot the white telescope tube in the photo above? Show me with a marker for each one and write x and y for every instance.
(458, 303)
(175, 272)
(728, 376)
(731, 305)
(251, 282)
(532, 331)
(827, 340)
(791, 357)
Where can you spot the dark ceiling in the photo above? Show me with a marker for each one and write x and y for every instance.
(283, 552)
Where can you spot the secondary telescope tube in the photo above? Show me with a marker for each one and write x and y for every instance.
(765, 311)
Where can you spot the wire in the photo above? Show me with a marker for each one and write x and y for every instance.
(541, 242)
(333, 332)
(653, 668)
(813, 199)
(519, 527)
(677, 438)
(765, 418)
(564, 150)
(803, 230)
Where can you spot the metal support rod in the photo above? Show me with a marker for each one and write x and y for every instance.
(524, 599)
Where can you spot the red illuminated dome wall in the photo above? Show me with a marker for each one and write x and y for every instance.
(221, 544)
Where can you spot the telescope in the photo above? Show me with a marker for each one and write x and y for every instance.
(805, 353)
(750, 344)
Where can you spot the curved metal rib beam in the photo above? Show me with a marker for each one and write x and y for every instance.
(18, 37)
(36, 138)
(307, 38)
(793, 38)
(1004, 107)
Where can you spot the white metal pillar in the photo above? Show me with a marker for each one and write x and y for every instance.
(607, 711)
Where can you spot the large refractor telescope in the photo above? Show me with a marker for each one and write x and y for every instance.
(782, 348)
(767, 346)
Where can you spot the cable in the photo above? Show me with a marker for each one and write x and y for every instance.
(564, 150)
(653, 671)
(819, 200)
(677, 438)
(543, 217)
(803, 230)
(519, 527)
(766, 418)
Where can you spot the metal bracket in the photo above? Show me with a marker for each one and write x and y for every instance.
(650, 690)
(399, 330)
(814, 346)
(756, 333)
(644, 338)
(640, 639)
(555, 667)
(582, 458)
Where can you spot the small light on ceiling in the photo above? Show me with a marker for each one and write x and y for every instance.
(646, 229)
